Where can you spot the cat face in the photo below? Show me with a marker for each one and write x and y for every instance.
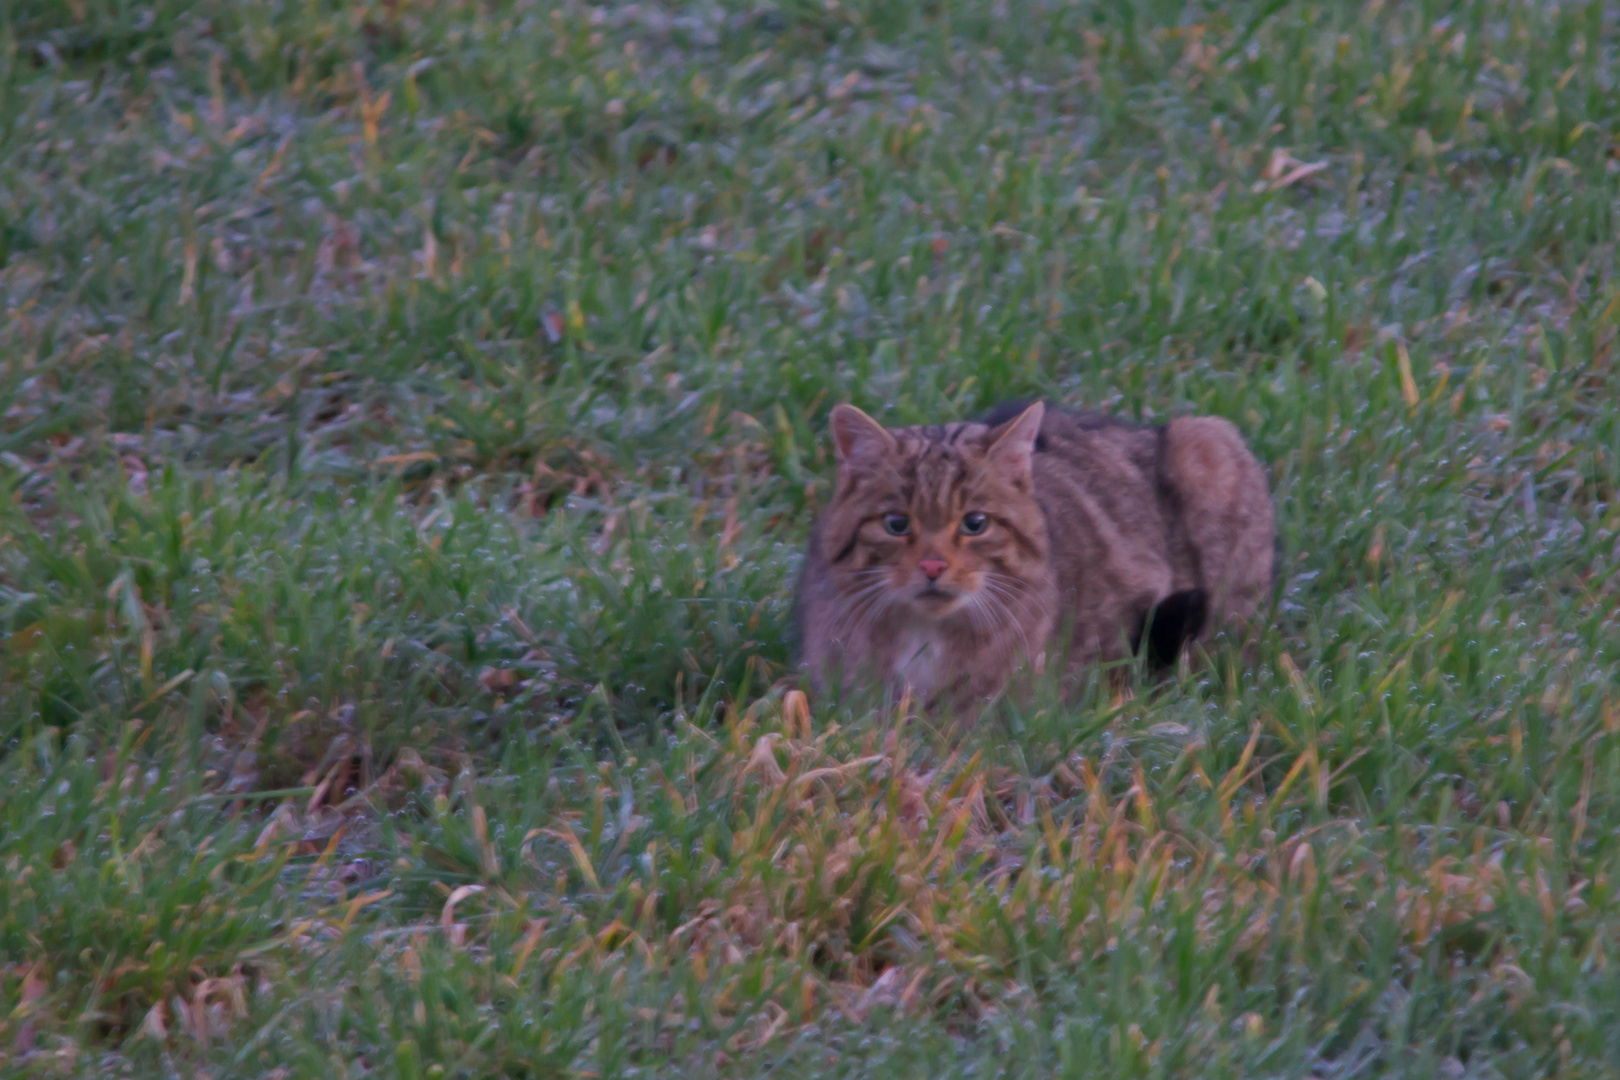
(936, 524)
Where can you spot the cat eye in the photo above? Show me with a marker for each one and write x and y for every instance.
(896, 524)
(974, 523)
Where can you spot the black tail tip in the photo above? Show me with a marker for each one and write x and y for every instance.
(1170, 624)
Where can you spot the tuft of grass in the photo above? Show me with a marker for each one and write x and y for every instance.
(411, 414)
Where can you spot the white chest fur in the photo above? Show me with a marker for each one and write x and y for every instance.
(917, 659)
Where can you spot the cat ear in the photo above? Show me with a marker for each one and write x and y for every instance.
(859, 439)
(1013, 443)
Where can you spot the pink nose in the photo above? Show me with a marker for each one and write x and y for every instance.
(932, 568)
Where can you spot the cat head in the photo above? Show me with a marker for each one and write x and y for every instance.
(939, 523)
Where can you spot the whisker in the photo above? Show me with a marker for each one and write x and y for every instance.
(999, 594)
(978, 618)
(1014, 590)
(861, 605)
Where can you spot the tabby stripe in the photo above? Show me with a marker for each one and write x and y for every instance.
(849, 548)
(942, 495)
(1019, 537)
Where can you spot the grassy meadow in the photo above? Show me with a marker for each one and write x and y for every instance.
(411, 412)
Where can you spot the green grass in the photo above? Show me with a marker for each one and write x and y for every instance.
(410, 414)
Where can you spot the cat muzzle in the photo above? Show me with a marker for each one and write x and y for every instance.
(932, 597)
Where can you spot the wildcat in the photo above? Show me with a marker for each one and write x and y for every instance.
(952, 554)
